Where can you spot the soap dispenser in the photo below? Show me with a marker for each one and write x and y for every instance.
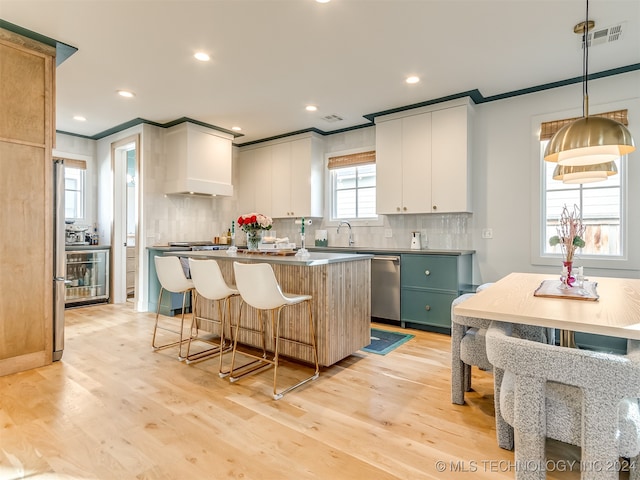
(416, 244)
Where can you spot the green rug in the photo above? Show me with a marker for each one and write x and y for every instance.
(384, 341)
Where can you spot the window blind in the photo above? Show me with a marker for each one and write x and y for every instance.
(549, 129)
(352, 159)
(80, 164)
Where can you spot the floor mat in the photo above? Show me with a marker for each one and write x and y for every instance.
(384, 341)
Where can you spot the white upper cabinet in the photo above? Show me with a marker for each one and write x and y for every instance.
(403, 165)
(450, 164)
(254, 181)
(422, 160)
(284, 178)
(199, 160)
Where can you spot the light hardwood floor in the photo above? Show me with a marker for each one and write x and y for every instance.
(114, 409)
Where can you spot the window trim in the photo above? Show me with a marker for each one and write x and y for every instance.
(630, 258)
(355, 222)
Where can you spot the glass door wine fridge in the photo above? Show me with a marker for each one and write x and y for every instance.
(87, 279)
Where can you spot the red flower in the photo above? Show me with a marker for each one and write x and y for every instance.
(240, 220)
(253, 219)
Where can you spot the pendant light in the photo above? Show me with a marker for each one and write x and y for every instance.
(584, 173)
(588, 140)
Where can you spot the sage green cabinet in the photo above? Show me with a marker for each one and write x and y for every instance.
(171, 302)
(428, 285)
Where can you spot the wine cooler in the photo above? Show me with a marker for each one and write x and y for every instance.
(87, 279)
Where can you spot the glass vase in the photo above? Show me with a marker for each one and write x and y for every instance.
(567, 277)
(253, 239)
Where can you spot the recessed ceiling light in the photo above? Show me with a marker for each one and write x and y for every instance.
(323, 1)
(237, 129)
(79, 118)
(203, 57)
(126, 93)
(412, 79)
(311, 108)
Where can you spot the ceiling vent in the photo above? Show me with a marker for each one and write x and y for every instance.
(600, 36)
(332, 118)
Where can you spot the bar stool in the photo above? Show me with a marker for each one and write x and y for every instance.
(172, 279)
(210, 285)
(259, 289)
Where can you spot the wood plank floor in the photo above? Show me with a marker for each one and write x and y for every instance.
(114, 409)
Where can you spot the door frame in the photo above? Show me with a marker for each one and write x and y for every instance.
(119, 219)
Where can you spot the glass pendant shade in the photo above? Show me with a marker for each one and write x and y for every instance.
(589, 141)
(584, 173)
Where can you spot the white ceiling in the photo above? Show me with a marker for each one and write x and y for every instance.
(270, 58)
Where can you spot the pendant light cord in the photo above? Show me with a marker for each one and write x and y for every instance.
(585, 65)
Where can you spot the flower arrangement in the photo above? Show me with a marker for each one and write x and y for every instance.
(570, 233)
(250, 222)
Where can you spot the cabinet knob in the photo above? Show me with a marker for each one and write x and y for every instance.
(404, 209)
(397, 209)
(427, 307)
(427, 273)
(435, 207)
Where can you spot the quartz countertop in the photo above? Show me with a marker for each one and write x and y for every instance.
(391, 251)
(314, 258)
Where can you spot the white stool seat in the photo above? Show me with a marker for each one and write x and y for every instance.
(210, 285)
(172, 279)
(259, 289)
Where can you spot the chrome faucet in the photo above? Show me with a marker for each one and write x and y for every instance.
(351, 242)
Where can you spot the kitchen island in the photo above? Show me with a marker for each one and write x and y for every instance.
(340, 284)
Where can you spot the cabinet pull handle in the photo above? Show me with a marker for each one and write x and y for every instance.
(427, 273)
(427, 307)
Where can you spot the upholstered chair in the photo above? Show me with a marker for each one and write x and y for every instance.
(468, 348)
(580, 397)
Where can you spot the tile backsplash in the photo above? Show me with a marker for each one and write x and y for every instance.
(438, 231)
(183, 218)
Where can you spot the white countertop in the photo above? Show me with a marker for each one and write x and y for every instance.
(314, 258)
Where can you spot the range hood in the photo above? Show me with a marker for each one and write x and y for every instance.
(199, 161)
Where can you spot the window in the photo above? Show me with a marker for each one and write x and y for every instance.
(600, 205)
(74, 189)
(353, 186)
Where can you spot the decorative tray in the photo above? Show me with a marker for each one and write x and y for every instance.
(555, 289)
(276, 247)
(268, 252)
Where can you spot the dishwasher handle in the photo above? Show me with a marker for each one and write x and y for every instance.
(387, 258)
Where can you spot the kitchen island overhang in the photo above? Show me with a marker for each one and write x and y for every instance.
(340, 284)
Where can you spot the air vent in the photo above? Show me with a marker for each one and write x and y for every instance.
(600, 36)
(332, 118)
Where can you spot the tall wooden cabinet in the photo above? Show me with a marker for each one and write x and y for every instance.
(27, 71)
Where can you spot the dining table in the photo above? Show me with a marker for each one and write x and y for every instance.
(615, 312)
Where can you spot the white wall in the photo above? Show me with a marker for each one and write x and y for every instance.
(505, 159)
(506, 149)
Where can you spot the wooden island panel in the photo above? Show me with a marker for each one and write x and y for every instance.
(341, 307)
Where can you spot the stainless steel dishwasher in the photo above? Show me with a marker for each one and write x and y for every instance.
(385, 287)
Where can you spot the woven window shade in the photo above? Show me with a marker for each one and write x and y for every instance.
(353, 159)
(549, 129)
(81, 164)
